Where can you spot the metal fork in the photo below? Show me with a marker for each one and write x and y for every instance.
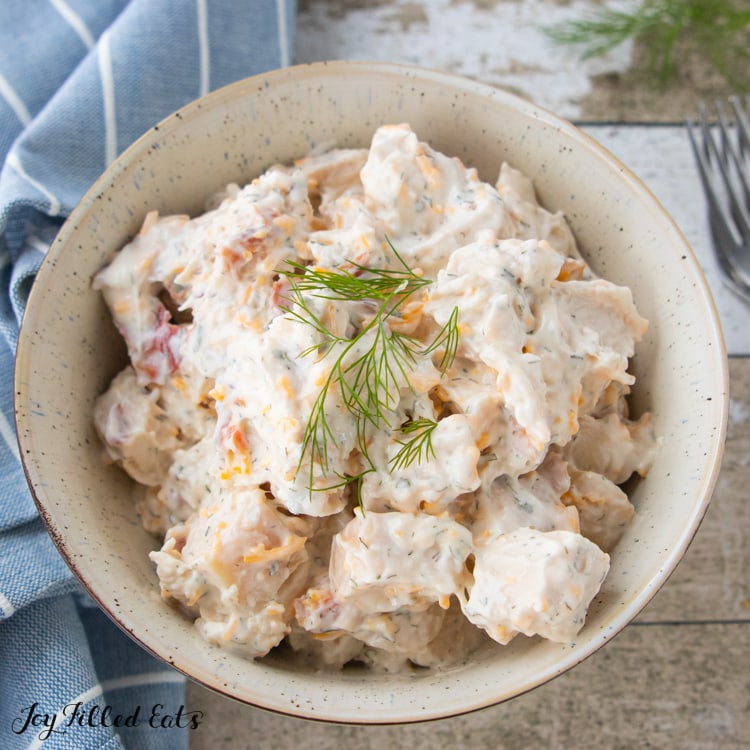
(722, 153)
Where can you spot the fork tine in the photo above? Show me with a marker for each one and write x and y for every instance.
(732, 257)
(700, 151)
(719, 219)
(736, 155)
(708, 157)
(743, 122)
(731, 170)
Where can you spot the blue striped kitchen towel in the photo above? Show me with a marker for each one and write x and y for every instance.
(79, 81)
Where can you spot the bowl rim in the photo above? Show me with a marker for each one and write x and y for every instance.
(329, 71)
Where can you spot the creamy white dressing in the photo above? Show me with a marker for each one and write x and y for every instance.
(502, 527)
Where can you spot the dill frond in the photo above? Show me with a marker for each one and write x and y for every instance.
(447, 340)
(718, 30)
(418, 448)
(380, 284)
(370, 368)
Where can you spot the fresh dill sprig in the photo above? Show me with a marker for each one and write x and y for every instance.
(419, 446)
(719, 30)
(375, 376)
(371, 367)
(447, 340)
(380, 284)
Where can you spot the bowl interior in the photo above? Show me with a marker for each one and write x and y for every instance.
(69, 352)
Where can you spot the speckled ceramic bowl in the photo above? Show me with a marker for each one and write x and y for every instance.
(69, 351)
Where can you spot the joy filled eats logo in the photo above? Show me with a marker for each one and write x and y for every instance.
(33, 720)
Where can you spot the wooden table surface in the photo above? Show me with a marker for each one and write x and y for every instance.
(679, 675)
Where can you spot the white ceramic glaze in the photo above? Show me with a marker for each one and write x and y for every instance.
(69, 351)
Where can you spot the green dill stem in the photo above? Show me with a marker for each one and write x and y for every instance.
(368, 383)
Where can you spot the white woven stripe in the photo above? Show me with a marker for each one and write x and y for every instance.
(108, 95)
(204, 56)
(14, 101)
(283, 38)
(120, 683)
(9, 436)
(36, 243)
(54, 204)
(74, 21)
(5, 606)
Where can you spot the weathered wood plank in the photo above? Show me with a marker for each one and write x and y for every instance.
(659, 686)
(499, 42)
(502, 43)
(712, 582)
